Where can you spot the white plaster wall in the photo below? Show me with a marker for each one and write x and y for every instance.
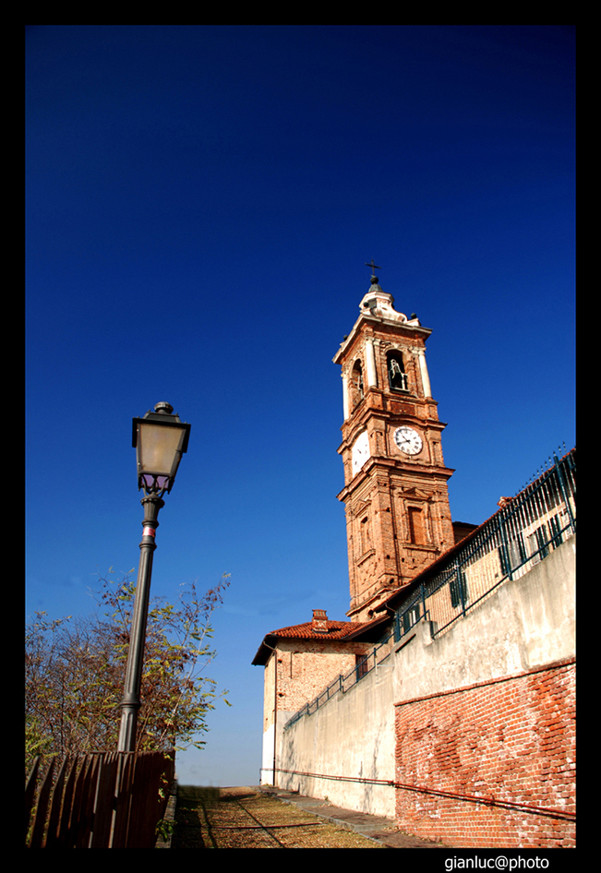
(267, 756)
(352, 734)
(522, 625)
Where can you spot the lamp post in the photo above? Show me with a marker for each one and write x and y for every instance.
(160, 439)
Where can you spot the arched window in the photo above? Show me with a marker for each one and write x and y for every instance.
(357, 389)
(397, 378)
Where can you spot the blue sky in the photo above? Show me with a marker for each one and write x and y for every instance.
(200, 205)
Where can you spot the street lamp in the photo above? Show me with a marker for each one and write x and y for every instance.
(160, 440)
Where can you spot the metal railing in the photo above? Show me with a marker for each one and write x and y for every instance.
(522, 533)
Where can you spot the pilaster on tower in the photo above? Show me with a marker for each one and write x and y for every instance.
(396, 500)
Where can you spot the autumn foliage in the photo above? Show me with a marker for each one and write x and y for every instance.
(75, 670)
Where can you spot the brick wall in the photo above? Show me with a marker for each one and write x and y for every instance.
(492, 764)
(305, 669)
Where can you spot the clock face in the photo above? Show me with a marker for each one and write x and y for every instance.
(360, 452)
(408, 440)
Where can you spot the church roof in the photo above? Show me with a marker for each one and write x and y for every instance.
(320, 629)
(334, 630)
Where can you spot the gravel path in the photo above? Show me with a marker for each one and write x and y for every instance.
(246, 818)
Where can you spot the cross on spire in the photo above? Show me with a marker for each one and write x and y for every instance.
(374, 267)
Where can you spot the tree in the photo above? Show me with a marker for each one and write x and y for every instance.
(75, 671)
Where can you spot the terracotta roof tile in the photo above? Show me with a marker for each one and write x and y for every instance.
(336, 630)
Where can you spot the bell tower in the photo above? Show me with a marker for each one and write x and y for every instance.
(398, 518)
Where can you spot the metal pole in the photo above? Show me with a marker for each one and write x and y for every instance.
(135, 657)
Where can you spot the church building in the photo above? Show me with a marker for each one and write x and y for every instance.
(339, 694)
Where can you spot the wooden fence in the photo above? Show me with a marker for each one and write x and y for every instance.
(98, 801)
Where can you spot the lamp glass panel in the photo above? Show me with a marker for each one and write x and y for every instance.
(158, 447)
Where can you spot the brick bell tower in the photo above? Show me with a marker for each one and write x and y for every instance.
(398, 518)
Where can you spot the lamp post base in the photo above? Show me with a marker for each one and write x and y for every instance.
(129, 723)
